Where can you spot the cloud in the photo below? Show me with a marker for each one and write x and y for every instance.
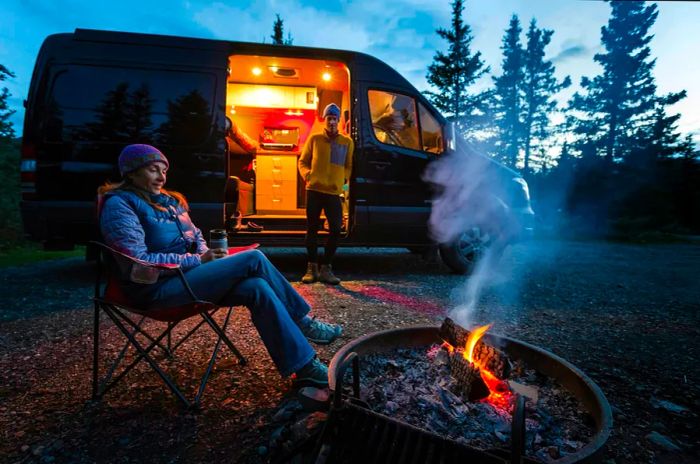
(571, 51)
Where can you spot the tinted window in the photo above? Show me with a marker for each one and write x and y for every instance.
(128, 104)
(431, 131)
(394, 119)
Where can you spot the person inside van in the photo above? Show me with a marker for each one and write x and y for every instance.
(143, 220)
(325, 164)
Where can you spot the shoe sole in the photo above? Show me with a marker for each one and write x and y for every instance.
(325, 342)
(309, 382)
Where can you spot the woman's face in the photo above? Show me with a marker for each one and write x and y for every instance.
(150, 178)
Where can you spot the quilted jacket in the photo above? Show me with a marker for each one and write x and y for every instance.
(132, 226)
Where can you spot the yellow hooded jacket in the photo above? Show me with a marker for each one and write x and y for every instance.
(326, 163)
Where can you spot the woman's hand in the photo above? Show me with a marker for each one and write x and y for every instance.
(212, 254)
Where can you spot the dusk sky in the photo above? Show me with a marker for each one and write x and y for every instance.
(399, 32)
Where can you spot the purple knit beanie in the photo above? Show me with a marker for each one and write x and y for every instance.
(139, 155)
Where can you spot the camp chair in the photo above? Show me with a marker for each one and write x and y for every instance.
(129, 317)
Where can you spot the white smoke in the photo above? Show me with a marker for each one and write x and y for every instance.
(468, 195)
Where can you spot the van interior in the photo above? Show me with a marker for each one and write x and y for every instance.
(273, 105)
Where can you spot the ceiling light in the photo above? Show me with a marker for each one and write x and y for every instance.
(326, 76)
(257, 71)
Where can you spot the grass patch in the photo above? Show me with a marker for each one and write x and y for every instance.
(32, 253)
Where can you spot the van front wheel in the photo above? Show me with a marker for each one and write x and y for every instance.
(462, 255)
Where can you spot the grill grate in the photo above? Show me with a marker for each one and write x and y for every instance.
(355, 434)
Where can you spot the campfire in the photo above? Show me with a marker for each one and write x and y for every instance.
(471, 391)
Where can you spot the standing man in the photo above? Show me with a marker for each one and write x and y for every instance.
(325, 164)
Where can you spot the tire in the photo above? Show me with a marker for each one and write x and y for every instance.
(462, 255)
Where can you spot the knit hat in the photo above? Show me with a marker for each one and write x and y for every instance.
(139, 155)
(331, 110)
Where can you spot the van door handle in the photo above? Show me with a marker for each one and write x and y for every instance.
(380, 164)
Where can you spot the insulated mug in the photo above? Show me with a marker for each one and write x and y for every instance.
(218, 238)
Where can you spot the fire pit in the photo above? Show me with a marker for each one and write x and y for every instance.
(356, 433)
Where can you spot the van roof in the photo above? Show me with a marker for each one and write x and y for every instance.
(365, 67)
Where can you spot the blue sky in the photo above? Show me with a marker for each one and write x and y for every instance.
(400, 32)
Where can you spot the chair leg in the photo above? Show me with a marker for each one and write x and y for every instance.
(110, 372)
(143, 353)
(187, 335)
(95, 351)
(205, 377)
(137, 328)
(241, 359)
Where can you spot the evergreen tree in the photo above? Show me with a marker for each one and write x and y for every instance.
(615, 104)
(7, 132)
(278, 33)
(539, 87)
(453, 72)
(507, 98)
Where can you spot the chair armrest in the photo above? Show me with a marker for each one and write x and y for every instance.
(137, 270)
(234, 250)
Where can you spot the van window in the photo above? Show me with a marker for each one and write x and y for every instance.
(431, 131)
(394, 119)
(129, 104)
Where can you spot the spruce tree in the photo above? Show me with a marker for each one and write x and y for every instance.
(453, 72)
(507, 98)
(7, 132)
(614, 105)
(278, 33)
(539, 87)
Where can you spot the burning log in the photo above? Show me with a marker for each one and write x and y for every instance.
(485, 355)
(470, 385)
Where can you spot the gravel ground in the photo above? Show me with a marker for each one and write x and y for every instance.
(627, 315)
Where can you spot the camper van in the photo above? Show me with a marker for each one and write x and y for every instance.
(233, 118)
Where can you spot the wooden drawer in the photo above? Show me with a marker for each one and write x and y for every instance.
(276, 167)
(275, 195)
(268, 202)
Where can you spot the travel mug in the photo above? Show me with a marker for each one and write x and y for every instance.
(218, 238)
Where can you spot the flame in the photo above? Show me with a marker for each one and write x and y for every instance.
(474, 337)
(500, 394)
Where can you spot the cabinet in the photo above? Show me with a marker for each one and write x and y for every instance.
(276, 183)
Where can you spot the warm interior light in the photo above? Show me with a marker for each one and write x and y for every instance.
(326, 76)
(257, 71)
(274, 69)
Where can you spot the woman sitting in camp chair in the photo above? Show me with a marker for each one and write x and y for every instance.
(143, 220)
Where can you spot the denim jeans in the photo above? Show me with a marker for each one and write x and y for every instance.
(249, 279)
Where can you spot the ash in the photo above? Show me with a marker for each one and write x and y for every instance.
(415, 386)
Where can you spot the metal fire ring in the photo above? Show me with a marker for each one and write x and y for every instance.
(568, 375)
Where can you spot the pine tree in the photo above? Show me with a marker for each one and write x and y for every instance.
(617, 103)
(7, 132)
(278, 33)
(539, 87)
(453, 72)
(507, 98)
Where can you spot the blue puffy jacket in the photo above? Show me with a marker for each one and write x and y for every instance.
(134, 227)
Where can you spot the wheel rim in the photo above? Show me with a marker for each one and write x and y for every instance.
(472, 243)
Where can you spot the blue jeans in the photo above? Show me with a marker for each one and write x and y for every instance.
(248, 279)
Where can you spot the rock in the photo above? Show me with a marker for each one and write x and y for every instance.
(262, 450)
(662, 441)
(668, 406)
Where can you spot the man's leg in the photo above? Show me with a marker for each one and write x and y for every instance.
(333, 208)
(314, 205)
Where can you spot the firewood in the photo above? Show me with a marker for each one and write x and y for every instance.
(470, 385)
(485, 355)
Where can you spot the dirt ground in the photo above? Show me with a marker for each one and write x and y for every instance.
(627, 315)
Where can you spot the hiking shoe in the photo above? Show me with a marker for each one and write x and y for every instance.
(321, 333)
(311, 275)
(314, 373)
(326, 275)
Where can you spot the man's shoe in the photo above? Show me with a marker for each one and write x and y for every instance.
(326, 275)
(314, 373)
(321, 333)
(311, 275)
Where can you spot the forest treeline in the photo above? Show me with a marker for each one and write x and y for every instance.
(611, 159)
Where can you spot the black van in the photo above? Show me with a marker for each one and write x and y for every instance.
(232, 117)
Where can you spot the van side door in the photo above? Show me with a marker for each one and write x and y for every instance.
(400, 138)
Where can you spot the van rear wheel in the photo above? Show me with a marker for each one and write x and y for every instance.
(462, 255)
